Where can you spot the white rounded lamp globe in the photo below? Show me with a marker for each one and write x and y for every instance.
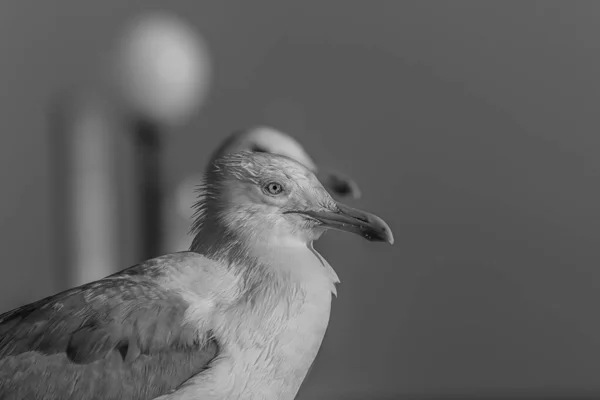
(163, 68)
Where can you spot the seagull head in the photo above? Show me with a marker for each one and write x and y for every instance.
(265, 198)
(264, 139)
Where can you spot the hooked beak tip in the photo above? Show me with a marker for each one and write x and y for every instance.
(378, 229)
(352, 220)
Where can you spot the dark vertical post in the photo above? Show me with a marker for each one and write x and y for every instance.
(148, 170)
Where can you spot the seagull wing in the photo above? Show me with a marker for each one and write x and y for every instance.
(123, 337)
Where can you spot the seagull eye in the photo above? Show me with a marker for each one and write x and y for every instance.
(274, 188)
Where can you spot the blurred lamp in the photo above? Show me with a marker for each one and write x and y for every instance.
(162, 71)
(162, 68)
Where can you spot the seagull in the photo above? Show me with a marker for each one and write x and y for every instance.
(259, 138)
(239, 316)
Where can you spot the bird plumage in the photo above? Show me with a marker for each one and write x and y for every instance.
(240, 316)
(261, 139)
(123, 337)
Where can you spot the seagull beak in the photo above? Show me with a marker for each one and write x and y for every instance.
(349, 219)
(339, 184)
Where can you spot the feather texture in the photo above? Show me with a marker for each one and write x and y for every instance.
(126, 334)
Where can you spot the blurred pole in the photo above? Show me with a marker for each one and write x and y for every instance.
(107, 140)
(86, 213)
(162, 73)
(147, 141)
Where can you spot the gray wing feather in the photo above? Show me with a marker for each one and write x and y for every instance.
(123, 337)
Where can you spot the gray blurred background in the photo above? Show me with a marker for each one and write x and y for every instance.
(471, 127)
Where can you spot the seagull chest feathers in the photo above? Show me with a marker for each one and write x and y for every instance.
(240, 316)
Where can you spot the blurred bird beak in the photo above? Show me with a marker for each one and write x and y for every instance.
(339, 184)
(349, 219)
